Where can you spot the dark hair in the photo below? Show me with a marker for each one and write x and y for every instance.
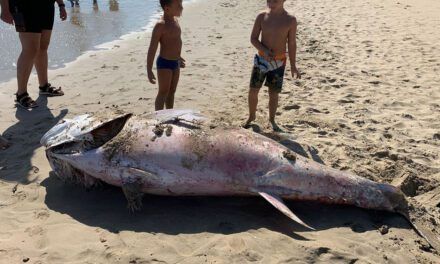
(164, 3)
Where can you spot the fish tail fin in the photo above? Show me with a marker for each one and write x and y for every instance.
(421, 229)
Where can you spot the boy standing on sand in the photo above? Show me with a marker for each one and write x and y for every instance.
(277, 28)
(166, 32)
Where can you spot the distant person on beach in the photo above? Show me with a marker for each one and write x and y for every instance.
(278, 29)
(33, 21)
(166, 32)
(74, 3)
(113, 5)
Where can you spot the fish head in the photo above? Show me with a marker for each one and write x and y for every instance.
(72, 146)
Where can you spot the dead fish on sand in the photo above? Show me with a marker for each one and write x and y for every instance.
(175, 152)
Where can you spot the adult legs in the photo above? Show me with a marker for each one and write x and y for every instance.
(30, 45)
(41, 60)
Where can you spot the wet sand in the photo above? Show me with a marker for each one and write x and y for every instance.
(86, 28)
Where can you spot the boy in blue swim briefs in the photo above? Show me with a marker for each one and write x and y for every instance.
(167, 33)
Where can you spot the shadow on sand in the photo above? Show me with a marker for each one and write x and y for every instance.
(24, 137)
(288, 141)
(105, 207)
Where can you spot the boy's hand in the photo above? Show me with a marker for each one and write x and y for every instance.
(295, 71)
(151, 77)
(63, 13)
(269, 53)
(6, 16)
(182, 62)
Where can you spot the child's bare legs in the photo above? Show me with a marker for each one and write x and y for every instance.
(273, 105)
(253, 102)
(168, 81)
(164, 77)
(169, 102)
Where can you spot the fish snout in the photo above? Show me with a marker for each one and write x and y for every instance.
(396, 198)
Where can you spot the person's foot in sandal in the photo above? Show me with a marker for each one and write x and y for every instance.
(49, 90)
(23, 100)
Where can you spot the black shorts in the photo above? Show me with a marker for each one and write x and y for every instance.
(32, 16)
(274, 79)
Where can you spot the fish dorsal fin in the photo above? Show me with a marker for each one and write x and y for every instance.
(167, 115)
(278, 203)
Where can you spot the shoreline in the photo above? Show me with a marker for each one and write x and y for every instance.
(106, 45)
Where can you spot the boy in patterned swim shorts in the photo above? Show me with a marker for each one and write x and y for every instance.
(277, 28)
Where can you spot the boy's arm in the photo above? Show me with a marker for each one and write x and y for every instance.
(292, 49)
(154, 43)
(256, 34)
(6, 15)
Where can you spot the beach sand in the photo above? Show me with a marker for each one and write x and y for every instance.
(368, 102)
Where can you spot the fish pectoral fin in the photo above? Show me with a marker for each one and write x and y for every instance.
(132, 184)
(279, 204)
(133, 194)
(108, 130)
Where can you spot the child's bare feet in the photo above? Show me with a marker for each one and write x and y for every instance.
(248, 122)
(275, 126)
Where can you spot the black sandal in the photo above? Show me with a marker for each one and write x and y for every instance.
(49, 90)
(25, 101)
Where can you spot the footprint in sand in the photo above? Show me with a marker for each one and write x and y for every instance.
(331, 80)
(387, 136)
(345, 101)
(313, 110)
(359, 122)
(34, 231)
(252, 255)
(407, 116)
(42, 214)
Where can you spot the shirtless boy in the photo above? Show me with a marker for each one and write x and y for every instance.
(278, 30)
(166, 33)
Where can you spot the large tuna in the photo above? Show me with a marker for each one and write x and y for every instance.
(177, 152)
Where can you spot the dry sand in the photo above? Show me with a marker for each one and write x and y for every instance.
(369, 102)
